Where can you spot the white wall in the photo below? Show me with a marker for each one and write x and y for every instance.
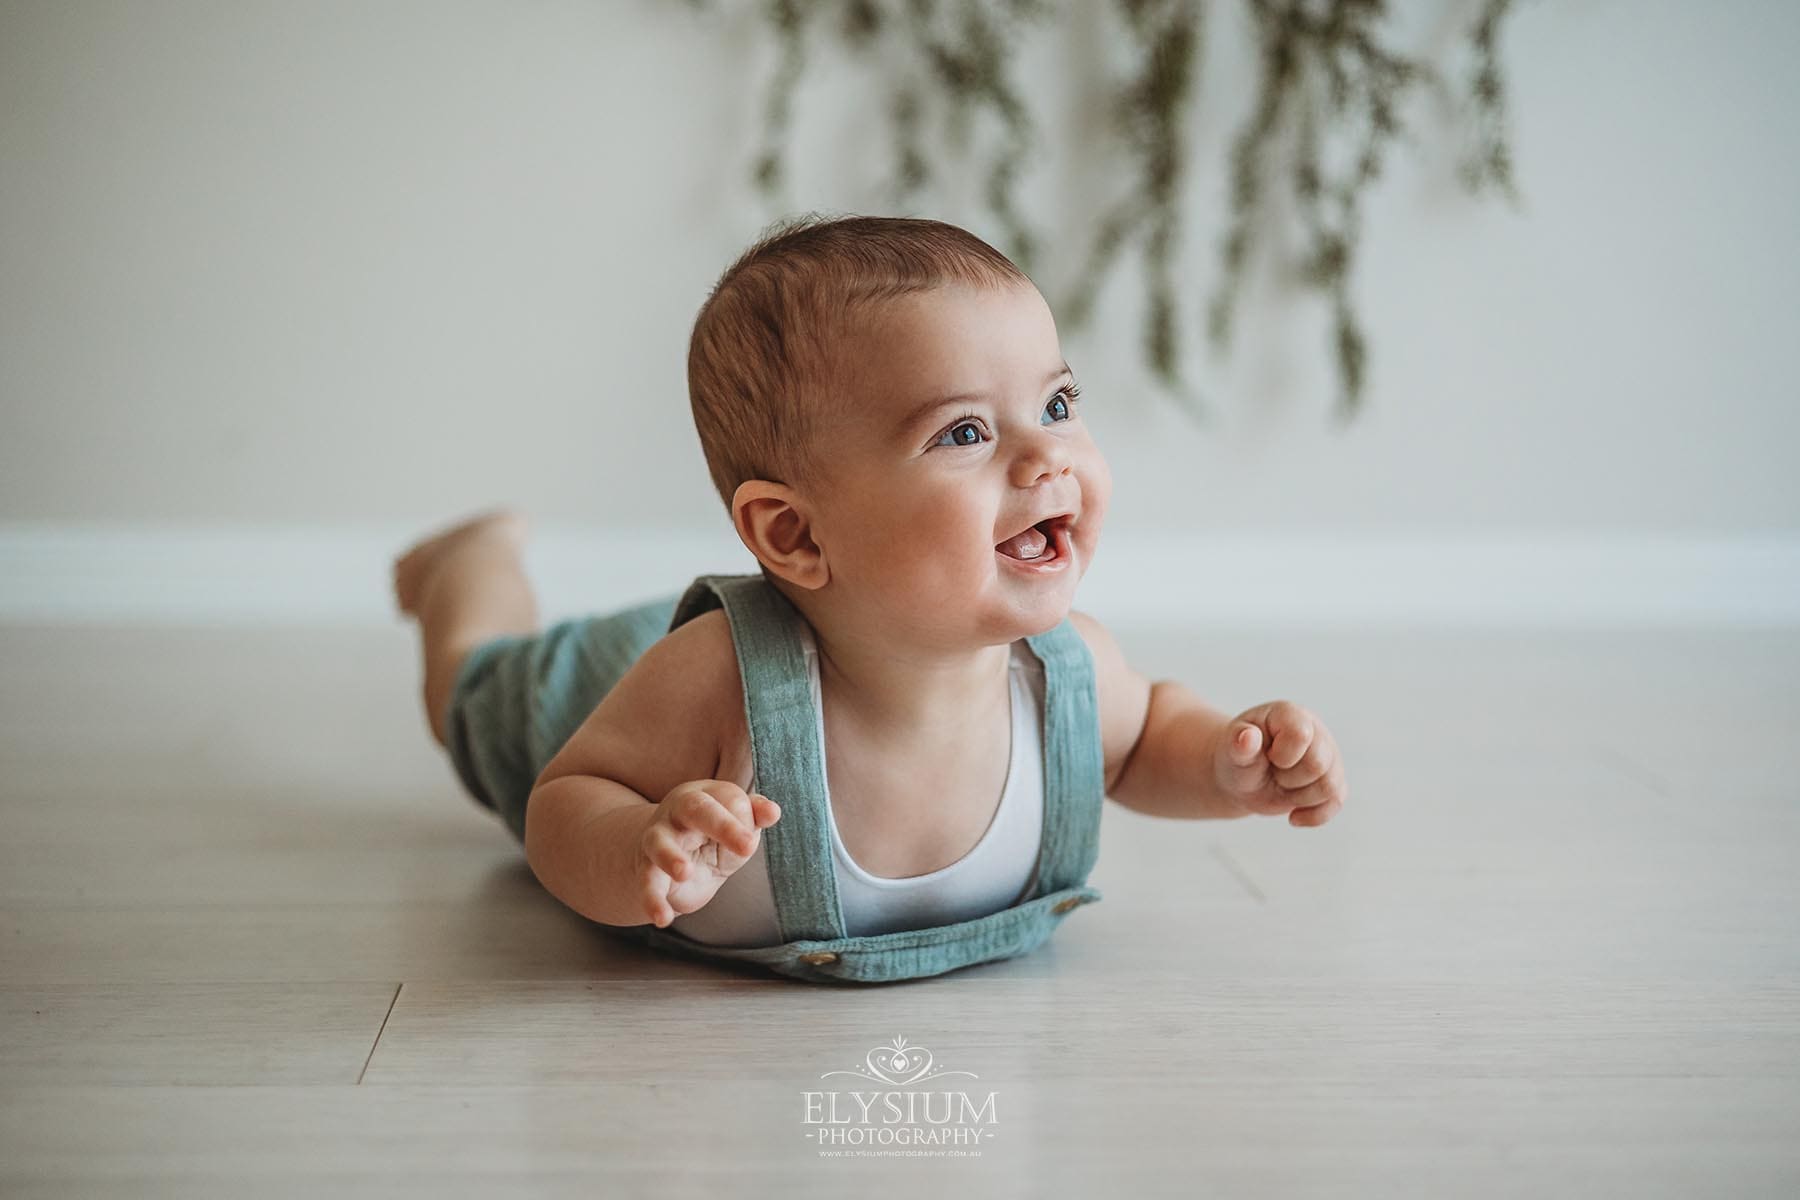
(338, 271)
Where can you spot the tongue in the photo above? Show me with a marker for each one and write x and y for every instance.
(1030, 544)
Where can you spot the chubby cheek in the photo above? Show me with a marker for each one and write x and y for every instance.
(941, 548)
(1096, 494)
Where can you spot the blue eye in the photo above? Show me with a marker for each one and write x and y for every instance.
(1067, 407)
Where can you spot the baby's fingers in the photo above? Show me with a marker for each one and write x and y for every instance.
(1293, 732)
(662, 846)
(767, 811)
(1319, 758)
(1318, 802)
(1243, 767)
(712, 819)
(1316, 815)
(654, 883)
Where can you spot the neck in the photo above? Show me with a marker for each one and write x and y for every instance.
(900, 693)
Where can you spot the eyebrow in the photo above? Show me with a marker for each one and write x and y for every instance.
(919, 413)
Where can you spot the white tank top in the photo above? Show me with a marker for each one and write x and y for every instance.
(990, 877)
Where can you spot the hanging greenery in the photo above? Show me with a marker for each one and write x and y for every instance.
(1324, 75)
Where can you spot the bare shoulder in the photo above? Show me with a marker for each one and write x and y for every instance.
(667, 719)
(1121, 692)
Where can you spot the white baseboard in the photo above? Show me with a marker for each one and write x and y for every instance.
(86, 573)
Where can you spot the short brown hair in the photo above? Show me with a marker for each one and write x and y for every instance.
(761, 366)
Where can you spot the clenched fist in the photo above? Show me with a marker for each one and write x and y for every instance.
(702, 832)
(1279, 758)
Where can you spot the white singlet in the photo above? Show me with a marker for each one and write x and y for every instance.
(990, 877)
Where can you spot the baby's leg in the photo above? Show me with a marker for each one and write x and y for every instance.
(464, 586)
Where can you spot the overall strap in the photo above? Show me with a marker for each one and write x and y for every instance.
(1074, 760)
(784, 745)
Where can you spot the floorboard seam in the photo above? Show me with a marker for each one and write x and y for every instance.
(1243, 876)
(379, 1032)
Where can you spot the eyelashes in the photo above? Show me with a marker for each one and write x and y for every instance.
(1072, 390)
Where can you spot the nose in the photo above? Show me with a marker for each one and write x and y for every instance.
(1045, 457)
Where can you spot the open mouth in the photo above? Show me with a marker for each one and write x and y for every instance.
(1045, 542)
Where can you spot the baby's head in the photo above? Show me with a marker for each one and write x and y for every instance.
(883, 402)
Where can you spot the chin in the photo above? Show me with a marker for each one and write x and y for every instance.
(1049, 622)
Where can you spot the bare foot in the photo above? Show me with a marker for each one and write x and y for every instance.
(414, 569)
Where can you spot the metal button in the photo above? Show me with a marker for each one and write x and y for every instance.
(818, 957)
(1063, 906)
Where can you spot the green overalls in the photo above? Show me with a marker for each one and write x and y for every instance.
(518, 698)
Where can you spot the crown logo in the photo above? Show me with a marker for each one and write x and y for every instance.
(899, 1063)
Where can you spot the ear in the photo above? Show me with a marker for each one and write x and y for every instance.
(773, 526)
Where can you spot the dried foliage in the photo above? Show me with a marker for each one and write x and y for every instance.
(1325, 77)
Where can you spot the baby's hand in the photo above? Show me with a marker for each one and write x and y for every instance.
(1279, 758)
(702, 832)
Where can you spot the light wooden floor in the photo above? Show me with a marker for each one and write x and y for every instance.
(254, 941)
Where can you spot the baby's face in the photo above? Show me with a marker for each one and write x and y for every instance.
(958, 432)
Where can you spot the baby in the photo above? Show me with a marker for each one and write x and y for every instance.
(888, 416)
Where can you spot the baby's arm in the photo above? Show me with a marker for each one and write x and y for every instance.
(581, 838)
(1170, 754)
(1153, 734)
(625, 824)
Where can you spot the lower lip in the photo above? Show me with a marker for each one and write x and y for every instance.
(1059, 538)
